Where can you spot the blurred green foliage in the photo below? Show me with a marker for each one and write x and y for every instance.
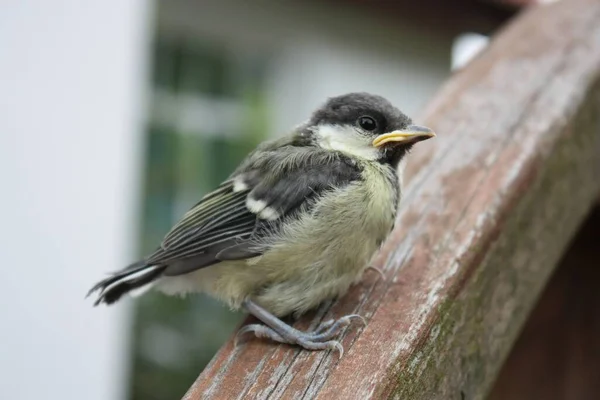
(175, 338)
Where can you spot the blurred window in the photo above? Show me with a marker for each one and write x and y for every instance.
(208, 110)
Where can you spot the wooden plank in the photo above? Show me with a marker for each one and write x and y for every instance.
(488, 211)
(557, 356)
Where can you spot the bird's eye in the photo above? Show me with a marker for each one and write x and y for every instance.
(367, 123)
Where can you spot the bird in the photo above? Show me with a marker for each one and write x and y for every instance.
(295, 225)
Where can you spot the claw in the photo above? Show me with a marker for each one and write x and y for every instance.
(260, 331)
(334, 328)
(242, 332)
(379, 271)
(349, 318)
(337, 346)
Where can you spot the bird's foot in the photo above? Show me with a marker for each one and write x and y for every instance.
(302, 339)
(279, 331)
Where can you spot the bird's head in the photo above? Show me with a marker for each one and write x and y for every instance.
(365, 126)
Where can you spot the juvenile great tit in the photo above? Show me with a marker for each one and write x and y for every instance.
(296, 224)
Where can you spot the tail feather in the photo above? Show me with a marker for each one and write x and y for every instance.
(137, 292)
(114, 276)
(135, 278)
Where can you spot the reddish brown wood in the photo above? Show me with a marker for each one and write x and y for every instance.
(557, 356)
(491, 205)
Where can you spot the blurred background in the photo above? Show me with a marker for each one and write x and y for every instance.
(117, 116)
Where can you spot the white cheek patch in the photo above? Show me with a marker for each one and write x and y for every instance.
(347, 140)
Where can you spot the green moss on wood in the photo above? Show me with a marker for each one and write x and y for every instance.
(473, 332)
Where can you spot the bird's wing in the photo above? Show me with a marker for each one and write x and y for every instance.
(267, 190)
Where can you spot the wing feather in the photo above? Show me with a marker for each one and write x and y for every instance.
(221, 226)
(202, 214)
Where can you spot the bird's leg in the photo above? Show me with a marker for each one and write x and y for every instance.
(324, 331)
(281, 332)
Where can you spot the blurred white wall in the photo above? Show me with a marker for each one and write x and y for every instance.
(72, 96)
(71, 102)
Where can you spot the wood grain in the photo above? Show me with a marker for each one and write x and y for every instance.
(490, 206)
(557, 356)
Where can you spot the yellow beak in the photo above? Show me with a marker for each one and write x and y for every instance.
(412, 134)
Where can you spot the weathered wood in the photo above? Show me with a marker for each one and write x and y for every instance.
(557, 356)
(490, 207)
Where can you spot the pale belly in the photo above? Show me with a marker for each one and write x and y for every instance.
(313, 259)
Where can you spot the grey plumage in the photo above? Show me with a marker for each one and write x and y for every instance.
(296, 223)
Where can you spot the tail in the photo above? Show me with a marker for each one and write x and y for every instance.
(134, 279)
